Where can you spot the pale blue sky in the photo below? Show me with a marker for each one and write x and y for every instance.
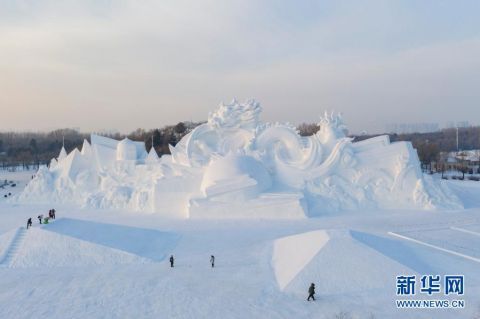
(125, 64)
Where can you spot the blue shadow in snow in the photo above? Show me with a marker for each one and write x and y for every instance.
(148, 243)
(395, 250)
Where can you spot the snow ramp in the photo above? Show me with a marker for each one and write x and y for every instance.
(36, 247)
(148, 243)
(342, 262)
(291, 254)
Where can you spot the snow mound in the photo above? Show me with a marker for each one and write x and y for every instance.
(235, 166)
(42, 248)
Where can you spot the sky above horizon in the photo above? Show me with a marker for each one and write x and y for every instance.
(124, 64)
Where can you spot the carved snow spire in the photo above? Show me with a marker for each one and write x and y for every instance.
(62, 154)
(332, 127)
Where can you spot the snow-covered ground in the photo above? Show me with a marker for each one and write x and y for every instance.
(114, 264)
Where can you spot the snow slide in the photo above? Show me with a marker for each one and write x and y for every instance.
(148, 243)
(291, 254)
(342, 262)
(40, 248)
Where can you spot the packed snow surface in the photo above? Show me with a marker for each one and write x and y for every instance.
(113, 263)
(235, 166)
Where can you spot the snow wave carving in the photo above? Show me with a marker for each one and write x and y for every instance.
(235, 166)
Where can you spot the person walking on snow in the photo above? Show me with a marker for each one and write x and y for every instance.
(212, 260)
(171, 261)
(29, 223)
(53, 213)
(311, 292)
(40, 218)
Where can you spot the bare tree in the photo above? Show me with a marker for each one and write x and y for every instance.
(308, 129)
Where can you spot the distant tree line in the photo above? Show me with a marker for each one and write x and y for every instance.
(161, 138)
(30, 148)
(27, 149)
(33, 149)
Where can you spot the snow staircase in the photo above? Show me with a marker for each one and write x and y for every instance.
(11, 250)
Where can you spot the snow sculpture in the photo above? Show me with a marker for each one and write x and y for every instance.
(126, 150)
(235, 166)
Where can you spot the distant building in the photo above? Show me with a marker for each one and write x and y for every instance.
(459, 124)
(463, 124)
(456, 161)
(406, 128)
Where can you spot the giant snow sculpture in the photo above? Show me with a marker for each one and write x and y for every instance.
(235, 166)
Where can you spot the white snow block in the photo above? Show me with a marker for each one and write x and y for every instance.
(267, 206)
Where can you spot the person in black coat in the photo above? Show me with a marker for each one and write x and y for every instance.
(212, 260)
(40, 218)
(29, 223)
(311, 292)
(171, 261)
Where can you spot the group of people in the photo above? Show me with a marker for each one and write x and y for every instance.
(212, 261)
(5, 183)
(41, 220)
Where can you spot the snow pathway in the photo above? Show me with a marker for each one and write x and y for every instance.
(465, 231)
